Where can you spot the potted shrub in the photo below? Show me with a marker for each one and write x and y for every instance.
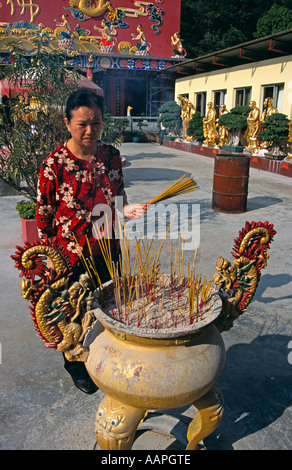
(111, 130)
(275, 131)
(236, 122)
(122, 125)
(27, 212)
(137, 134)
(195, 128)
(169, 115)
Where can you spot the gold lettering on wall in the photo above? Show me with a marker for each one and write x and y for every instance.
(34, 9)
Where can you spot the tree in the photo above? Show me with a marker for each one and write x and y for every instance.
(211, 25)
(195, 128)
(236, 122)
(278, 18)
(36, 123)
(170, 116)
(275, 131)
(32, 118)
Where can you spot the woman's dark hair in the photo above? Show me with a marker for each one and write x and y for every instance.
(83, 97)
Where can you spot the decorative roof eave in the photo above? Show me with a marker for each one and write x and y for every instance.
(105, 61)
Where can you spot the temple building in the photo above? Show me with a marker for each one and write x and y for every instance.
(122, 45)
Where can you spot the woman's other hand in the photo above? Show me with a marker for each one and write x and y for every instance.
(135, 211)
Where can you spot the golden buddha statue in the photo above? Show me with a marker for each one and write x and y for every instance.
(269, 109)
(253, 127)
(224, 136)
(187, 112)
(289, 156)
(209, 124)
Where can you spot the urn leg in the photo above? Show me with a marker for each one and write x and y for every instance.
(210, 410)
(116, 424)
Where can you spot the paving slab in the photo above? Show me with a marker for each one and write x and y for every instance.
(41, 409)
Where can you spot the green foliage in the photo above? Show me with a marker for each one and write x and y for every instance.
(170, 116)
(278, 18)
(275, 129)
(32, 121)
(236, 118)
(26, 209)
(242, 110)
(36, 125)
(111, 130)
(195, 127)
(212, 25)
(140, 124)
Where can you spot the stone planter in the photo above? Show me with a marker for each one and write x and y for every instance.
(137, 139)
(170, 138)
(233, 148)
(140, 371)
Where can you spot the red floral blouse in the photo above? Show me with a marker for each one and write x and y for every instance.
(68, 190)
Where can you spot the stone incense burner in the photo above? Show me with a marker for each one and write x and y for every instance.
(143, 366)
(140, 370)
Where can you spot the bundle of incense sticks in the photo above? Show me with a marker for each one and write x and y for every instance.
(144, 287)
(182, 185)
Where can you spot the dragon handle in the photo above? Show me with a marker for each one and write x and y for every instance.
(237, 282)
(60, 309)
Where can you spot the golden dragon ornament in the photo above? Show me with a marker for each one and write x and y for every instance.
(237, 282)
(61, 311)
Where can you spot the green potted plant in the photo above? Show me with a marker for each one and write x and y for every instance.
(111, 130)
(137, 134)
(275, 131)
(121, 126)
(169, 116)
(195, 127)
(236, 123)
(27, 212)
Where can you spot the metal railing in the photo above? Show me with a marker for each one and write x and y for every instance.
(144, 123)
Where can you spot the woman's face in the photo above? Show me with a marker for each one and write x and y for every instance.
(85, 126)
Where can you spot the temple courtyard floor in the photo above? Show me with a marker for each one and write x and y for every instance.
(41, 409)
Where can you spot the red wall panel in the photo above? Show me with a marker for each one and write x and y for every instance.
(159, 19)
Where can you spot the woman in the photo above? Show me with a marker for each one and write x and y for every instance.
(74, 179)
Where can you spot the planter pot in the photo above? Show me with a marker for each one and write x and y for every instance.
(168, 137)
(140, 371)
(136, 139)
(232, 148)
(270, 156)
(29, 230)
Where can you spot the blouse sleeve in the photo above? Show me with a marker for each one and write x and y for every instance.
(116, 164)
(46, 199)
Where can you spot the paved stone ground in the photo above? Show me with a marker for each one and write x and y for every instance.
(41, 409)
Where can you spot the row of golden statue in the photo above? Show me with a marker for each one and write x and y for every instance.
(217, 136)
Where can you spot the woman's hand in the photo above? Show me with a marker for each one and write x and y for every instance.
(135, 211)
